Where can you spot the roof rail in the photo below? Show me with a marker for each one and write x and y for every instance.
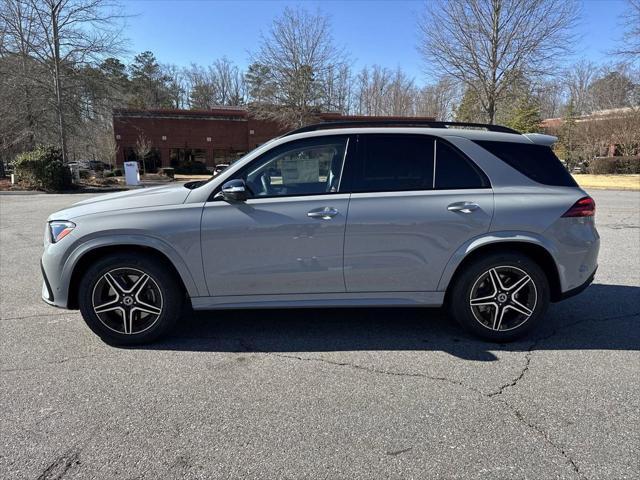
(399, 123)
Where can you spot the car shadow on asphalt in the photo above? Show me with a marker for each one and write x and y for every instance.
(604, 317)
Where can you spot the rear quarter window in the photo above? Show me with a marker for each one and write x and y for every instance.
(538, 162)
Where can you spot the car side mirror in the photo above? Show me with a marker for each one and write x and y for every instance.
(235, 190)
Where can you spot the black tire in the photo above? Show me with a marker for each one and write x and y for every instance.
(477, 281)
(160, 291)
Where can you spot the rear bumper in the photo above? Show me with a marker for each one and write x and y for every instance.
(579, 289)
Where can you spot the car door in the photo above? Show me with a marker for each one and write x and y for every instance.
(415, 200)
(288, 237)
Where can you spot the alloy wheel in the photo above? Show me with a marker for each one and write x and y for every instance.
(127, 300)
(503, 298)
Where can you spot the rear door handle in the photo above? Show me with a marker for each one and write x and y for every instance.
(463, 207)
(325, 213)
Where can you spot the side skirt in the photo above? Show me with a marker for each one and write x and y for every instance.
(364, 299)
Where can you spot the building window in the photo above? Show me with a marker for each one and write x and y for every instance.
(251, 132)
(189, 160)
(117, 137)
(164, 138)
(152, 161)
(208, 139)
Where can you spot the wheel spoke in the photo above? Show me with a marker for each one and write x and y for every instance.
(113, 283)
(108, 306)
(495, 278)
(127, 318)
(517, 286)
(479, 302)
(520, 308)
(497, 317)
(139, 285)
(146, 308)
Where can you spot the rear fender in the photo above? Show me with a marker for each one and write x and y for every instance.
(493, 238)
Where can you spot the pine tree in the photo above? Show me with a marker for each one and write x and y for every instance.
(525, 117)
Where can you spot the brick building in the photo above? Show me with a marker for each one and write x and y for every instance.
(179, 137)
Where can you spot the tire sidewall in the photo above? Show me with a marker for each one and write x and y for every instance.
(166, 281)
(459, 300)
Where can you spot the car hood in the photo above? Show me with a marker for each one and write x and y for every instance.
(145, 197)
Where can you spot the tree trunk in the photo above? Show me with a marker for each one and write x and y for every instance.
(491, 110)
(55, 10)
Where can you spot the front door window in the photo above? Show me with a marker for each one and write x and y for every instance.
(306, 167)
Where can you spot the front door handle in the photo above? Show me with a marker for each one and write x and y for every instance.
(463, 207)
(325, 213)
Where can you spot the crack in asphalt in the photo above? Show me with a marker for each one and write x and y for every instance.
(43, 315)
(50, 362)
(60, 466)
(536, 342)
(494, 396)
(521, 418)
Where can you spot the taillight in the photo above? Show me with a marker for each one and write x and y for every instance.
(585, 207)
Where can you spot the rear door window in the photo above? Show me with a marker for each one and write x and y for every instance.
(393, 162)
(454, 171)
(537, 162)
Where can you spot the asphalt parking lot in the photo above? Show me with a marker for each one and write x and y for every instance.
(366, 393)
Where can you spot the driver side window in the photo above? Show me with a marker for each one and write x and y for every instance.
(304, 167)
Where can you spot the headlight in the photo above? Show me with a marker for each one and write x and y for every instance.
(60, 229)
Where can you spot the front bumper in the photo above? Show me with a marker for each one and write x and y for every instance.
(54, 286)
(47, 293)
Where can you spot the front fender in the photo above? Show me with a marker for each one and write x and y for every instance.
(493, 238)
(123, 240)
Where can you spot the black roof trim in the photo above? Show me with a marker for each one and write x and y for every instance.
(399, 123)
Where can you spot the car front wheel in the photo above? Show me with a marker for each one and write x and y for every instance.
(500, 297)
(129, 299)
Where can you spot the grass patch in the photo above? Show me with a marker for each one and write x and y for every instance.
(613, 182)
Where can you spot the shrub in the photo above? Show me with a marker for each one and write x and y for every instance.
(43, 169)
(614, 165)
(113, 173)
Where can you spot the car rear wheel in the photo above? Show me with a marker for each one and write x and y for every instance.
(500, 297)
(130, 299)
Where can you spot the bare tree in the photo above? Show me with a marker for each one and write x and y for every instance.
(578, 78)
(176, 84)
(481, 43)
(296, 55)
(550, 94)
(437, 100)
(228, 82)
(630, 48)
(613, 88)
(381, 91)
(142, 149)
(70, 34)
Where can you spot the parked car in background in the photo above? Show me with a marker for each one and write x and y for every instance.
(476, 218)
(98, 166)
(219, 168)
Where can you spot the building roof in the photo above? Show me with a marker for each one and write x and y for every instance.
(607, 114)
(237, 113)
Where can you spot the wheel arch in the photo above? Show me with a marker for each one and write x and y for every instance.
(81, 261)
(531, 247)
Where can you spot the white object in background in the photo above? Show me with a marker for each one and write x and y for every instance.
(13, 179)
(131, 173)
(75, 172)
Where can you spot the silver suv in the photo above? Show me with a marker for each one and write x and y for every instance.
(477, 218)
